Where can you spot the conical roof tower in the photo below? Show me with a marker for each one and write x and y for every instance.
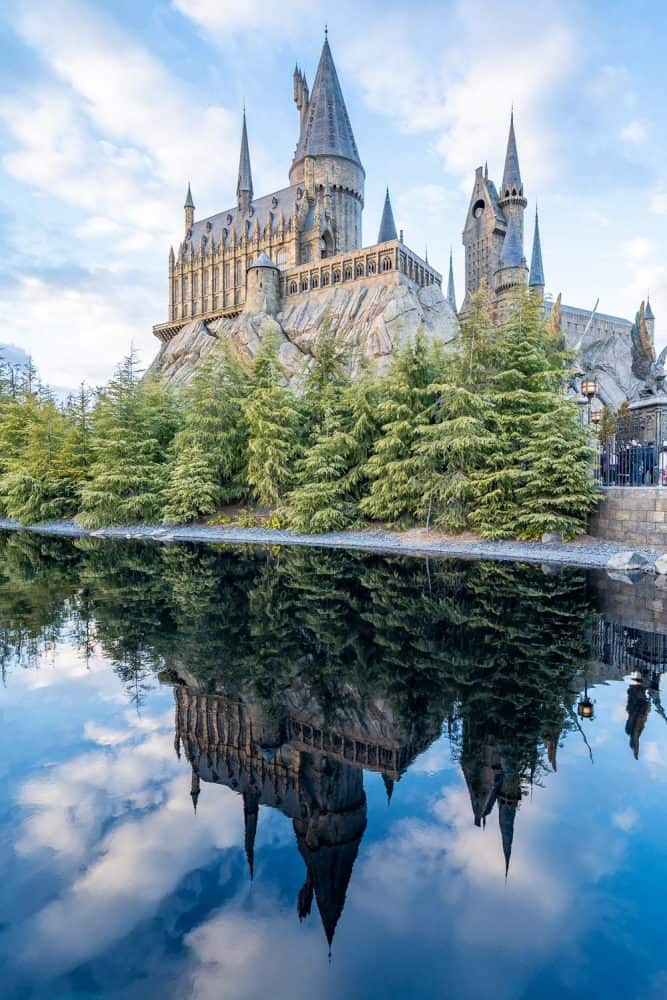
(536, 279)
(244, 190)
(387, 224)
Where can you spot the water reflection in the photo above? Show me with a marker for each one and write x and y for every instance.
(293, 673)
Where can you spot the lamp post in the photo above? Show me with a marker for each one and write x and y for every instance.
(589, 388)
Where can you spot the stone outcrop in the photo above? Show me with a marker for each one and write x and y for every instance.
(606, 353)
(370, 319)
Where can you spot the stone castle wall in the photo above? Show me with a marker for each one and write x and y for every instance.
(633, 516)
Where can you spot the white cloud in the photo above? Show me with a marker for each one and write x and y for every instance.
(221, 18)
(639, 248)
(634, 133)
(626, 819)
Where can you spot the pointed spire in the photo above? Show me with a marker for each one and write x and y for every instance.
(194, 788)
(506, 816)
(511, 254)
(388, 787)
(189, 211)
(244, 185)
(250, 819)
(387, 224)
(536, 279)
(451, 292)
(511, 173)
(326, 130)
(648, 312)
(189, 203)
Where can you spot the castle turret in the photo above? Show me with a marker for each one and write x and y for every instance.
(451, 291)
(512, 201)
(387, 224)
(244, 183)
(189, 211)
(513, 271)
(262, 287)
(650, 321)
(327, 151)
(536, 280)
(301, 94)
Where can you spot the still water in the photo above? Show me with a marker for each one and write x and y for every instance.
(292, 773)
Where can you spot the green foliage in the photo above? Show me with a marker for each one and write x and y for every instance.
(208, 462)
(133, 426)
(272, 421)
(394, 470)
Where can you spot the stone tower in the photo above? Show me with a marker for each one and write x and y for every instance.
(512, 201)
(512, 271)
(326, 162)
(650, 321)
(263, 287)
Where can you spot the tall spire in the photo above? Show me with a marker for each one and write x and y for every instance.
(451, 292)
(511, 254)
(194, 787)
(250, 817)
(536, 279)
(189, 207)
(244, 184)
(326, 129)
(387, 224)
(511, 173)
(506, 816)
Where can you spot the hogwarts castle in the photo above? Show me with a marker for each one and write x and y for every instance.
(303, 238)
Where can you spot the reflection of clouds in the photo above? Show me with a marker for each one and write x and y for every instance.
(124, 816)
(437, 758)
(266, 952)
(625, 820)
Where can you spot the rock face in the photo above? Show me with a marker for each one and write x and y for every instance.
(607, 354)
(370, 319)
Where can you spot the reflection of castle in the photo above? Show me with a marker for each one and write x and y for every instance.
(312, 773)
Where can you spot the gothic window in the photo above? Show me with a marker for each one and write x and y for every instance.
(238, 272)
(336, 276)
(205, 288)
(186, 287)
(371, 267)
(360, 270)
(228, 275)
(314, 283)
(195, 286)
(325, 279)
(306, 255)
(386, 264)
(304, 284)
(281, 259)
(292, 288)
(347, 274)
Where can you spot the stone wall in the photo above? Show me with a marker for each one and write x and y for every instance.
(639, 602)
(636, 516)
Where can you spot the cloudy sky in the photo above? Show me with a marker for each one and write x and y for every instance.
(108, 107)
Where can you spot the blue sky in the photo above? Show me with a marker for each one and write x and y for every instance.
(107, 108)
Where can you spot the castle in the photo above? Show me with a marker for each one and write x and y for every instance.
(303, 238)
(281, 262)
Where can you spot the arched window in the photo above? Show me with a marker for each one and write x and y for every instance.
(371, 267)
(360, 270)
(281, 259)
(293, 288)
(314, 282)
(325, 279)
(347, 274)
(386, 264)
(304, 284)
(336, 276)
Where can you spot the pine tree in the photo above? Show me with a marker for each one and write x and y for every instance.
(208, 464)
(273, 422)
(526, 489)
(133, 427)
(396, 488)
(454, 447)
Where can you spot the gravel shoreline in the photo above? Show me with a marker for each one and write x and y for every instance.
(589, 553)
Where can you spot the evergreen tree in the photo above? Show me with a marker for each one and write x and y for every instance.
(273, 421)
(208, 464)
(537, 477)
(133, 426)
(396, 488)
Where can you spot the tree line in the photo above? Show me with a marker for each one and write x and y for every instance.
(477, 437)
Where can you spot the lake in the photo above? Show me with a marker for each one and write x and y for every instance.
(250, 773)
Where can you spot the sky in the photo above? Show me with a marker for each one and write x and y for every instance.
(109, 107)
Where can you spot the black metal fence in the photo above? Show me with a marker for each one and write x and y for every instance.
(636, 453)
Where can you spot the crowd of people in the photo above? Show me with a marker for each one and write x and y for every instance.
(632, 463)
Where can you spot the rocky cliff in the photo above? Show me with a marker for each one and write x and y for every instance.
(371, 319)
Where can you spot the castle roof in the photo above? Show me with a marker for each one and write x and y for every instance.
(263, 261)
(511, 173)
(536, 270)
(265, 210)
(245, 174)
(648, 312)
(326, 128)
(189, 203)
(511, 254)
(387, 224)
